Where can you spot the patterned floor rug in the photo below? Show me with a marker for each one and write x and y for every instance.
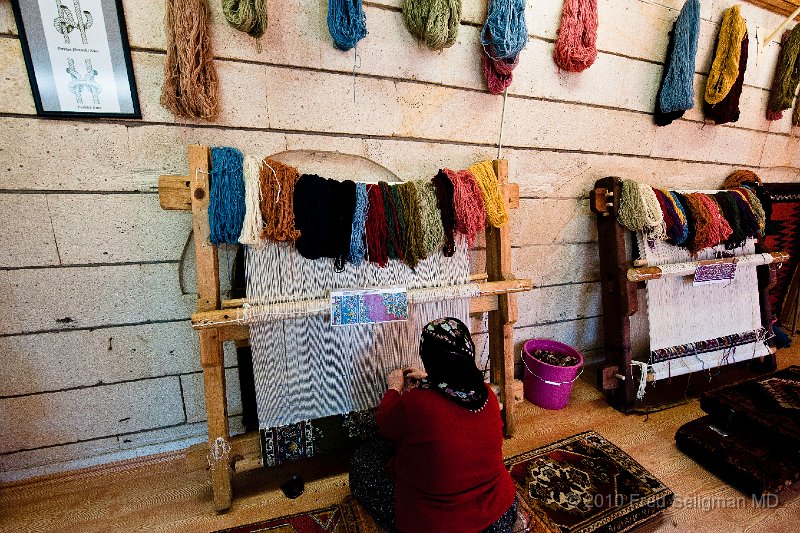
(579, 484)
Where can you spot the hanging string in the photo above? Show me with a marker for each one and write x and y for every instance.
(505, 30)
(431, 219)
(444, 200)
(727, 110)
(248, 16)
(190, 79)
(654, 227)
(725, 67)
(576, 44)
(433, 21)
(414, 248)
(376, 227)
(631, 209)
(253, 221)
(347, 23)
(278, 182)
(358, 245)
(226, 206)
(393, 213)
(470, 213)
(677, 89)
(787, 75)
(496, 211)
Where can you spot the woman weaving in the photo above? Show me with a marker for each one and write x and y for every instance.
(442, 466)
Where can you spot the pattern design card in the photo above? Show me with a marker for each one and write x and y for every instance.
(368, 306)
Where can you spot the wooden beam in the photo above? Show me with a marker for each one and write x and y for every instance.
(206, 261)
(783, 7)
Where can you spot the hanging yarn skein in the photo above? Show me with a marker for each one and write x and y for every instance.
(248, 16)
(443, 187)
(376, 227)
(787, 75)
(431, 220)
(277, 200)
(725, 67)
(253, 221)
(727, 110)
(358, 243)
(631, 209)
(347, 23)
(190, 79)
(433, 21)
(226, 207)
(505, 30)
(677, 88)
(576, 44)
(470, 213)
(496, 212)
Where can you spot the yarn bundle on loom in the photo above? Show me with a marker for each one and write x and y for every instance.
(347, 23)
(676, 93)
(248, 16)
(695, 221)
(190, 79)
(787, 77)
(726, 78)
(256, 202)
(434, 22)
(503, 37)
(576, 44)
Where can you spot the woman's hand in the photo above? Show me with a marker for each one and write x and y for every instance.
(395, 380)
(412, 377)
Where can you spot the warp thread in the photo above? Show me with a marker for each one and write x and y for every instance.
(433, 21)
(376, 227)
(725, 67)
(787, 75)
(631, 209)
(358, 243)
(278, 183)
(677, 88)
(430, 218)
(343, 209)
(394, 224)
(576, 43)
(226, 206)
(505, 30)
(248, 16)
(190, 79)
(495, 206)
(253, 221)
(313, 214)
(444, 200)
(498, 73)
(347, 23)
(467, 204)
(727, 110)
(654, 227)
(413, 246)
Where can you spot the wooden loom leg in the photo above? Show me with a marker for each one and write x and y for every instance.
(501, 322)
(217, 414)
(207, 262)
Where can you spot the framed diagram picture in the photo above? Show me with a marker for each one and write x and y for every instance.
(78, 57)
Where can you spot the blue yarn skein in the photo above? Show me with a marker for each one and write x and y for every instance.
(347, 23)
(358, 243)
(677, 90)
(226, 202)
(505, 30)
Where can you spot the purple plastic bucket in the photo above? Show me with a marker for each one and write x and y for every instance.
(547, 385)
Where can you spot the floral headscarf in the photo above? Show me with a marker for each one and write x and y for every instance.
(448, 353)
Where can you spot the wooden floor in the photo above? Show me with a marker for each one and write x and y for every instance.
(160, 494)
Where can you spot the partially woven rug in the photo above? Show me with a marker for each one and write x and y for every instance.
(580, 484)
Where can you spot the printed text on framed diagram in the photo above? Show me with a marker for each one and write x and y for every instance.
(78, 57)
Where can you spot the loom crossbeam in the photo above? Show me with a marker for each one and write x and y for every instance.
(648, 273)
(218, 322)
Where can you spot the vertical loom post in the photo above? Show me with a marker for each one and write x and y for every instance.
(217, 412)
(619, 295)
(207, 264)
(501, 322)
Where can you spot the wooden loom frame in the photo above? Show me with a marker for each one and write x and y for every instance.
(216, 320)
(620, 283)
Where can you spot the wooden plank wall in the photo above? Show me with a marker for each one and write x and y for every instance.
(99, 361)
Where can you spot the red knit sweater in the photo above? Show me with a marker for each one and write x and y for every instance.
(448, 468)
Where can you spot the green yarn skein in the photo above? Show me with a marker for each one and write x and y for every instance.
(433, 21)
(249, 16)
